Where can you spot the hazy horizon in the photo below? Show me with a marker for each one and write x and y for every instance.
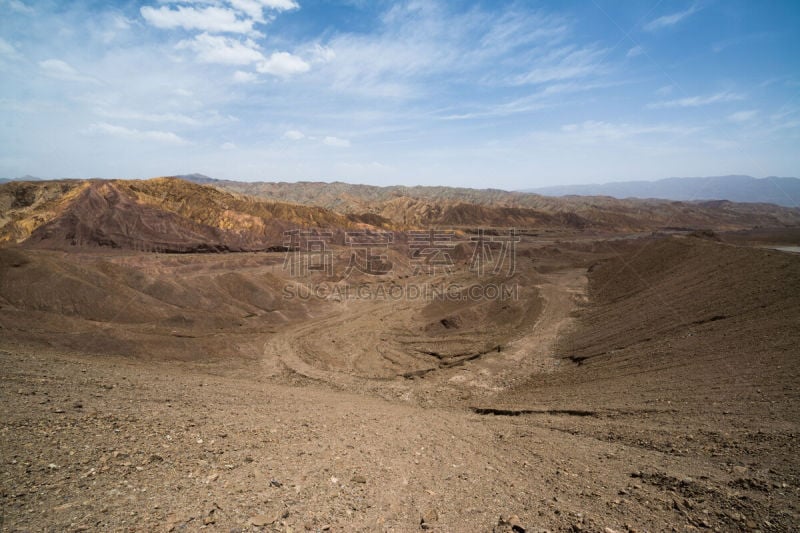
(387, 184)
(475, 94)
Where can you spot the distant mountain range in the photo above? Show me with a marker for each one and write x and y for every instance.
(23, 178)
(340, 196)
(772, 190)
(176, 215)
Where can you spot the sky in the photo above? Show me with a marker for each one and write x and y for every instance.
(480, 94)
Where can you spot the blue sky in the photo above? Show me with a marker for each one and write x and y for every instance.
(479, 94)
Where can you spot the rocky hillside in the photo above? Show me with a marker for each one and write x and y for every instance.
(178, 215)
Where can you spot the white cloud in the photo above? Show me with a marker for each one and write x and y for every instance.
(240, 76)
(110, 27)
(593, 130)
(165, 137)
(123, 114)
(635, 51)
(336, 141)
(213, 19)
(8, 50)
(743, 116)
(294, 135)
(283, 64)
(255, 8)
(665, 90)
(564, 63)
(19, 7)
(218, 49)
(696, 101)
(322, 54)
(421, 42)
(228, 146)
(61, 70)
(670, 20)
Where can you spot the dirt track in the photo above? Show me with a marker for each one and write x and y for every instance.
(310, 436)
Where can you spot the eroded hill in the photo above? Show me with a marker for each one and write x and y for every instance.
(410, 206)
(163, 214)
(176, 215)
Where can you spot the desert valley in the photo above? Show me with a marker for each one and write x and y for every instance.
(238, 356)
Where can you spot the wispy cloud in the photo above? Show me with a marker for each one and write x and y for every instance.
(420, 44)
(224, 50)
(18, 6)
(8, 50)
(593, 130)
(743, 116)
(549, 96)
(255, 8)
(241, 76)
(635, 51)
(294, 135)
(696, 101)
(564, 63)
(124, 114)
(670, 20)
(165, 137)
(61, 70)
(336, 142)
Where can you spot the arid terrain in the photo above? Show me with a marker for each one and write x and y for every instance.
(631, 366)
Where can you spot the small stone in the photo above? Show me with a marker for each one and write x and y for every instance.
(428, 517)
(359, 479)
(208, 520)
(155, 458)
(511, 524)
(260, 520)
(516, 524)
(275, 483)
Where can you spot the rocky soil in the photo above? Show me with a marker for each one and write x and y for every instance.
(617, 402)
